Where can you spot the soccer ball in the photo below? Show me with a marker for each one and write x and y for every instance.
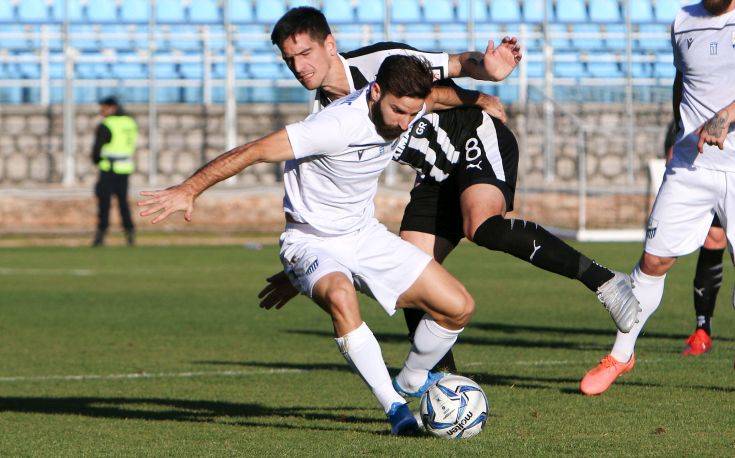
(454, 408)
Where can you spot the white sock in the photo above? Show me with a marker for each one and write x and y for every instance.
(430, 343)
(648, 290)
(362, 351)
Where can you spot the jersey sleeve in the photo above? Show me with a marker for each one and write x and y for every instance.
(439, 61)
(328, 132)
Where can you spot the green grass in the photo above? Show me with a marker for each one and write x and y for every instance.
(273, 382)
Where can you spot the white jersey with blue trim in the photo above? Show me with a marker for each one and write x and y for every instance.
(704, 53)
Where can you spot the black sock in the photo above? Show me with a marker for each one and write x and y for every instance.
(707, 282)
(532, 243)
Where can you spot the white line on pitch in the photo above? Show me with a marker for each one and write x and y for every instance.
(147, 375)
(29, 271)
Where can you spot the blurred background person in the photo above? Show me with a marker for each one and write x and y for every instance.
(113, 151)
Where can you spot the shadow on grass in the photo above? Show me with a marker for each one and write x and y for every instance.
(608, 332)
(470, 340)
(184, 410)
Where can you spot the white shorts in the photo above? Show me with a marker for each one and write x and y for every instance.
(380, 263)
(685, 205)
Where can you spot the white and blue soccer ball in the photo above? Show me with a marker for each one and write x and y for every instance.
(454, 408)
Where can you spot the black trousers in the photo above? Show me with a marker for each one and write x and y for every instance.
(110, 184)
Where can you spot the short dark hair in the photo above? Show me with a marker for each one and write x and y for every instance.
(405, 76)
(110, 101)
(303, 19)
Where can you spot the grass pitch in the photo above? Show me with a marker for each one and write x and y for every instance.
(164, 351)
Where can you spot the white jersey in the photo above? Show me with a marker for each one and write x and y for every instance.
(339, 156)
(704, 52)
(361, 65)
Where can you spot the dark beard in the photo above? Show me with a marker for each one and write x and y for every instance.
(716, 7)
(385, 131)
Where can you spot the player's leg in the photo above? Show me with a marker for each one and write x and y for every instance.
(447, 308)
(121, 191)
(426, 225)
(678, 225)
(318, 269)
(103, 192)
(707, 282)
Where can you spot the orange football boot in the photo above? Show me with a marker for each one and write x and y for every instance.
(600, 377)
(698, 343)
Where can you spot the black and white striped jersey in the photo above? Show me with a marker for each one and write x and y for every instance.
(361, 65)
(464, 141)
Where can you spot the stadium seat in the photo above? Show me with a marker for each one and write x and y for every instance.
(205, 11)
(24, 41)
(592, 39)
(480, 12)
(339, 11)
(7, 12)
(605, 11)
(641, 11)
(29, 71)
(420, 36)
(505, 11)
(533, 10)
(571, 11)
(535, 69)
(102, 11)
(640, 70)
(129, 70)
(122, 42)
(269, 12)
(370, 11)
(653, 36)
(241, 11)
(439, 11)
(348, 37)
(664, 70)
(170, 11)
(568, 66)
(34, 10)
(486, 32)
(253, 38)
(560, 36)
(614, 35)
(134, 11)
(405, 11)
(604, 70)
(88, 41)
(192, 70)
(666, 10)
(453, 38)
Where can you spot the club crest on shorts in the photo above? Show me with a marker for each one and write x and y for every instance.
(651, 228)
(306, 266)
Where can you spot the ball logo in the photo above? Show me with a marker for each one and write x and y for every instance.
(461, 424)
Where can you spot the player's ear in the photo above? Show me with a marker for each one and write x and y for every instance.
(375, 92)
(331, 45)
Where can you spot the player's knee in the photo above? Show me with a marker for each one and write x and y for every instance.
(716, 239)
(655, 265)
(463, 309)
(341, 301)
(488, 232)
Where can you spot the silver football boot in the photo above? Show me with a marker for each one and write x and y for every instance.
(617, 296)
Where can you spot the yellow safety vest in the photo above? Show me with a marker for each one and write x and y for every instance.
(117, 155)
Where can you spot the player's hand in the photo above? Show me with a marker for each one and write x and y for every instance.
(493, 106)
(714, 131)
(500, 61)
(277, 292)
(168, 201)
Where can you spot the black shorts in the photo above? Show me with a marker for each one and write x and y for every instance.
(716, 222)
(435, 208)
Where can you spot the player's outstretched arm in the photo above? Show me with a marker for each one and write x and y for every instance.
(446, 97)
(277, 292)
(715, 130)
(271, 148)
(494, 65)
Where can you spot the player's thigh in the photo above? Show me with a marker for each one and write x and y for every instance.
(480, 202)
(442, 296)
(431, 244)
(683, 211)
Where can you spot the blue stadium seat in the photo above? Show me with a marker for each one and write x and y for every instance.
(123, 42)
(253, 38)
(560, 36)
(456, 41)
(34, 10)
(505, 11)
(655, 36)
(535, 69)
(77, 10)
(666, 10)
(480, 12)
(405, 11)
(241, 11)
(125, 70)
(89, 41)
(7, 12)
(640, 70)
(205, 11)
(29, 71)
(604, 70)
(439, 11)
(170, 11)
(664, 70)
(370, 11)
(408, 34)
(533, 10)
(135, 11)
(593, 41)
(102, 11)
(24, 42)
(348, 37)
(571, 11)
(486, 32)
(569, 69)
(641, 11)
(617, 41)
(167, 70)
(192, 70)
(339, 11)
(605, 11)
(269, 12)
(267, 70)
